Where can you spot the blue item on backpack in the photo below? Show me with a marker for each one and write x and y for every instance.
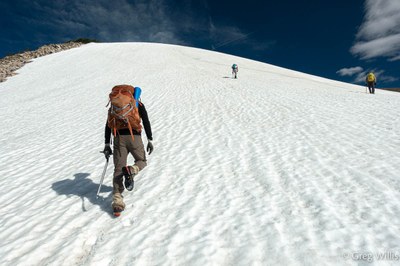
(136, 95)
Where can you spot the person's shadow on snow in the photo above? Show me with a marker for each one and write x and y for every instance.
(84, 187)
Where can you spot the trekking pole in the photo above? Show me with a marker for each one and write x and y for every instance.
(102, 176)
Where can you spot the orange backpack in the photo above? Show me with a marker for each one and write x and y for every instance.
(123, 112)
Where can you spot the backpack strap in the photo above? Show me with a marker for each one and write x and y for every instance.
(115, 128)
(122, 117)
(130, 130)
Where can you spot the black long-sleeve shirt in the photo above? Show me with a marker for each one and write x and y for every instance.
(125, 131)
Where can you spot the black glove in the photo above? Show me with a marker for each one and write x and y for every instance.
(107, 151)
(150, 147)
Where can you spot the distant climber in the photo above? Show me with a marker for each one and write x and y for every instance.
(371, 82)
(235, 70)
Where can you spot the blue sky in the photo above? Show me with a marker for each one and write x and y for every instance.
(341, 39)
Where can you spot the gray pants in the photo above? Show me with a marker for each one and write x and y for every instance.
(234, 73)
(123, 145)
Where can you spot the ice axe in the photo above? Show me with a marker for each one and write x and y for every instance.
(102, 176)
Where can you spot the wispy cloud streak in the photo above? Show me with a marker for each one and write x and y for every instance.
(118, 20)
(230, 35)
(349, 71)
(234, 39)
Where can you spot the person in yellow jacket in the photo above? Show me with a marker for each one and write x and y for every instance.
(371, 82)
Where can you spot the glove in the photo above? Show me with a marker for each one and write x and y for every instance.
(107, 151)
(150, 147)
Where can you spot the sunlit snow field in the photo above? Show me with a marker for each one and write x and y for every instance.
(276, 167)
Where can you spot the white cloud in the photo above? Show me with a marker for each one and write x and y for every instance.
(382, 47)
(379, 34)
(349, 71)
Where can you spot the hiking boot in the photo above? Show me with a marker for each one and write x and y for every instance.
(118, 204)
(129, 173)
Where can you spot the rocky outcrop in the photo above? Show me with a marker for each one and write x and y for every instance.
(391, 89)
(11, 63)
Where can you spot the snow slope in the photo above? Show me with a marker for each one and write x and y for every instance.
(274, 168)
